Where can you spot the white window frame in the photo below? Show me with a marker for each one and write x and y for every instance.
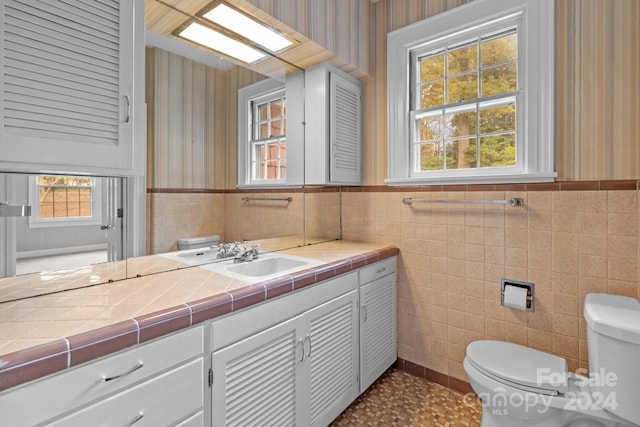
(35, 221)
(535, 25)
(293, 87)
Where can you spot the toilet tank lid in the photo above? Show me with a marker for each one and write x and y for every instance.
(615, 316)
(196, 240)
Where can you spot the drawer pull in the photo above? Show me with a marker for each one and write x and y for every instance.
(115, 377)
(135, 419)
(364, 313)
(381, 270)
(309, 339)
(301, 342)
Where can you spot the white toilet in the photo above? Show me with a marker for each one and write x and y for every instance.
(520, 386)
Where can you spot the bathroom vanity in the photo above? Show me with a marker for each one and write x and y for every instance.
(322, 335)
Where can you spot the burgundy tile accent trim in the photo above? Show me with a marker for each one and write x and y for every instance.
(342, 266)
(436, 377)
(32, 363)
(324, 272)
(278, 286)
(163, 322)
(184, 191)
(303, 278)
(433, 376)
(549, 186)
(358, 261)
(626, 184)
(244, 297)
(321, 189)
(509, 187)
(208, 308)
(413, 369)
(100, 342)
(265, 190)
(460, 386)
(372, 257)
(579, 186)
(623, 184)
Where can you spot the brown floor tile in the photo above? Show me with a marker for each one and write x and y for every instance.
(400, 399)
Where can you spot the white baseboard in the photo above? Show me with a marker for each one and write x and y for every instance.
(61, 251)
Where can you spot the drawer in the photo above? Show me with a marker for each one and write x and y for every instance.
(196, 420)
(84, 384)
(379, 269)
(160, 401)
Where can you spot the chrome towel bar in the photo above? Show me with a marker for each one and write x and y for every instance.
(516, 201)
(270, 199)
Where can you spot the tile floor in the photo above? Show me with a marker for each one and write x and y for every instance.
(400, 399)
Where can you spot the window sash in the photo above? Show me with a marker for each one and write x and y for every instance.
(416, 113)
(259, 166)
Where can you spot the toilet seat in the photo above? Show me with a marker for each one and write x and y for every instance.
(519, 366)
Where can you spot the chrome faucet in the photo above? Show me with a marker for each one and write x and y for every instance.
(249, 254)
(226, 250)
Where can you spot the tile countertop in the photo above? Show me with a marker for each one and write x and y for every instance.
(49, 333)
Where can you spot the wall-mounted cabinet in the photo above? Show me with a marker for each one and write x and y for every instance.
(333, 129)
(67, 81)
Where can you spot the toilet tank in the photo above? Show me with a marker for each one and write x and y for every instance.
(198, 242)
(613, 336)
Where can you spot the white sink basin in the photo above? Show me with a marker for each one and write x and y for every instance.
(195, 256)
(267, 266)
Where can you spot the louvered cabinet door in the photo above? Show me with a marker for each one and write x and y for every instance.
(256, 381)
(331, 358)
(66, 85)
(377, 329)
(345, 127)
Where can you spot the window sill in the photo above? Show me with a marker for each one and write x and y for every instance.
(65, 223)
(477, 179)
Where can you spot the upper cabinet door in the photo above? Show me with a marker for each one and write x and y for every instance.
(67, 85)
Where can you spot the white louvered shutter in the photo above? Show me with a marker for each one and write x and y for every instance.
(377, 329)
(333, 359)
(345, 131)
(67, 76)
(256, 381)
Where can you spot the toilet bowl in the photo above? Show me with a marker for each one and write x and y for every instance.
(521, 386)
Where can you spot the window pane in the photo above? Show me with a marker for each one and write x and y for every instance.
(498, 150)
(264, 131)
(429, 128)
(262, 112)
(432, 68)
(498, 119)
(432, 94)
(500, 79)
(463, 87)
(462, 59)
(73, 202)
(430, 156)
(460, 124)
(85, 201)
(283, 168)
(461, 154)
(272, 169)
(276, 109)
(501, 49)
(276, 128)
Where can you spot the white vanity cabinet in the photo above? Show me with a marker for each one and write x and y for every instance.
(158, 383)
(378, 344)
(333, 127)
(67, 79)
(301, 371)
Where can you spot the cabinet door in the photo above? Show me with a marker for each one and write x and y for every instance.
(66, 85)
(377, 329)
(345, 127)
(256, 381)
(331, 358)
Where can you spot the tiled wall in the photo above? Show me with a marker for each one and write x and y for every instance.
(452, 258)
(172, 216)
